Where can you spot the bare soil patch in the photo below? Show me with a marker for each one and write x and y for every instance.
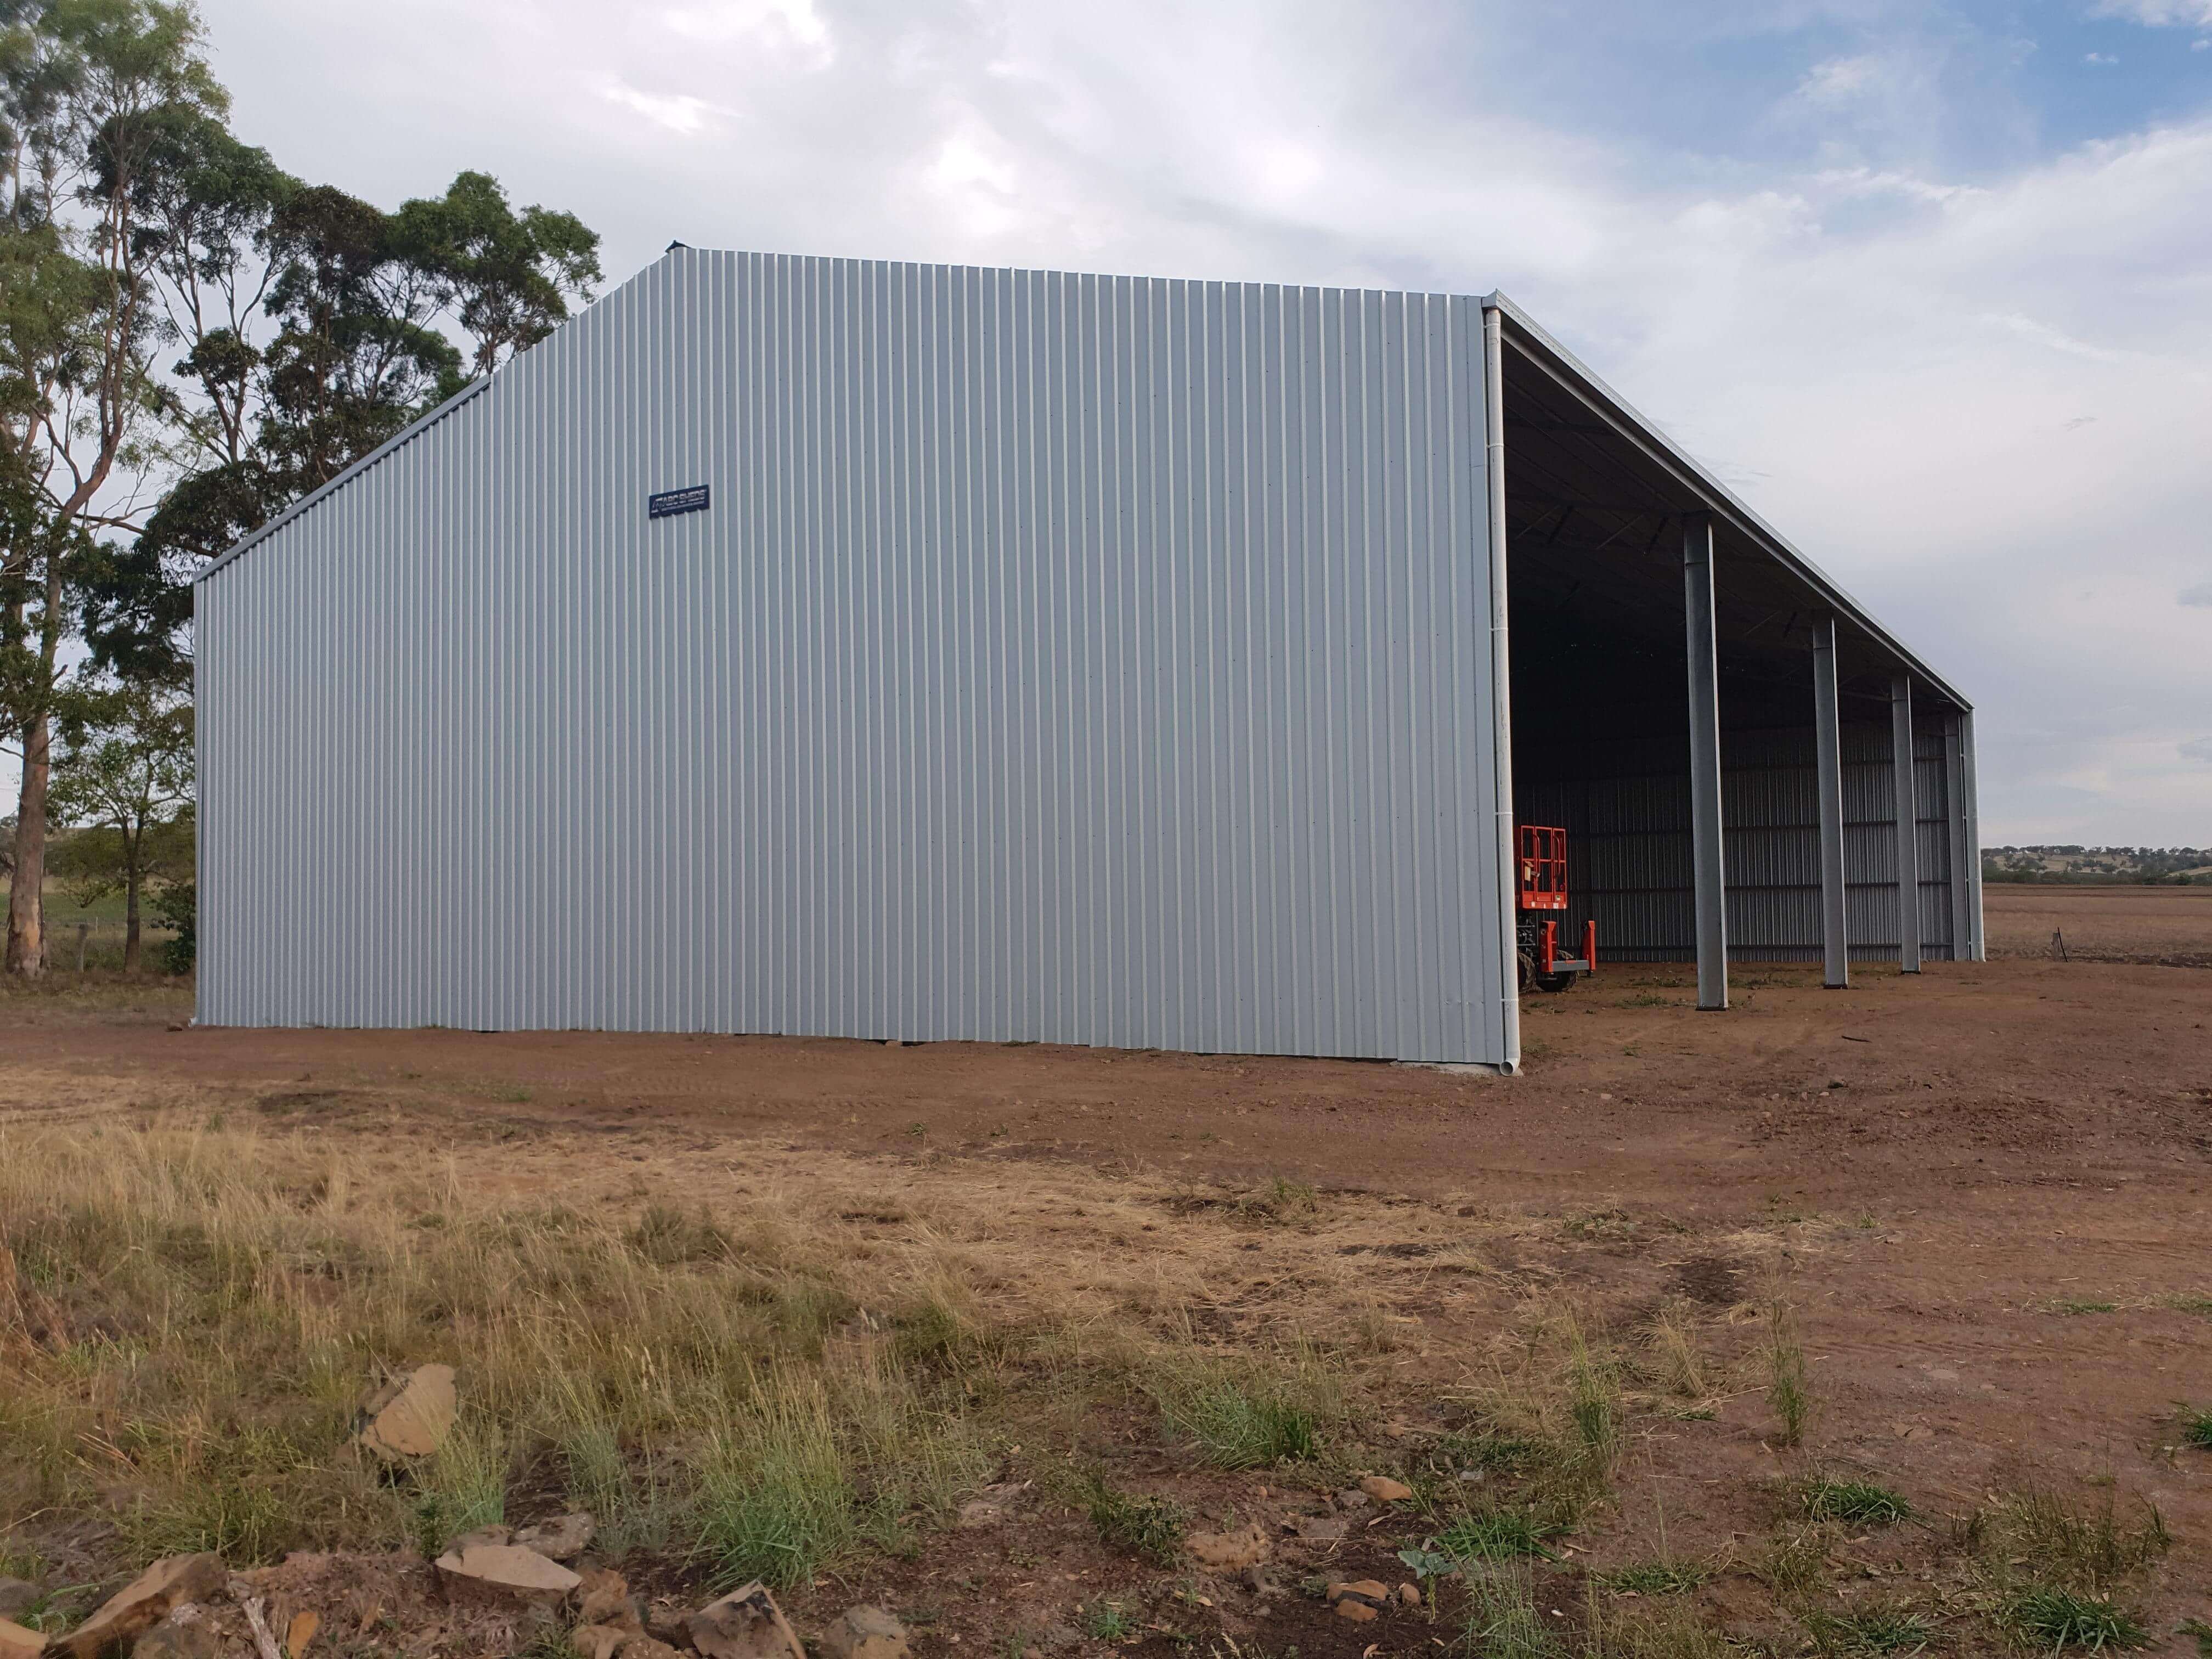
(1983, 1197)
(2170, 927)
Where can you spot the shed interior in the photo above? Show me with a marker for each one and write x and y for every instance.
(1595, 513)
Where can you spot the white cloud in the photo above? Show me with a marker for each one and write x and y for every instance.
(680, 112)
(1885, 357)
(794, 30)
(2099, 57)
(1868, 182)
(1839, 80)
(2043, 334)
(2199, 596)
(2198, 748)
(2159, 14)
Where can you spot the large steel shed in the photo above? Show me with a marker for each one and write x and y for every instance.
(851, 649)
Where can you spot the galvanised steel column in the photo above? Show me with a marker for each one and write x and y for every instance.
(1908, 824)
(1501, 691)
(1969, 813)
(1828, 780)
(1708, 867)
(1964, 900)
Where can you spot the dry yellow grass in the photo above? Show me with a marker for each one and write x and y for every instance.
(765, 1357)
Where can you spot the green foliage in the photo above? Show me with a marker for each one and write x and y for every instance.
(2073, 1545)
(463, 1486)
(1855, 1503)
(2050, 1620)
(1237, 1428)
(1500, 1618)
(1593, 1406)
(1881, 1628)
(2196, 1429)
(1496, 1453)
(1151, 1528)
(1499, 1535)
(1425, 1561)
(775, 1498)
(1790, 1381)
(1656, 1578)
(1105, 1621)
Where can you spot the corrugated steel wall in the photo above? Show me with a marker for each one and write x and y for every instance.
(1085, 660)
(1626, 807)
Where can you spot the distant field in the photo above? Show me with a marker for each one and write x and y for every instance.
(2171, 926)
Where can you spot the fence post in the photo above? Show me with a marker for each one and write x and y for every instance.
(84, 933)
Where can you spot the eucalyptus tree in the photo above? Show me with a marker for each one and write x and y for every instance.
(87, 90)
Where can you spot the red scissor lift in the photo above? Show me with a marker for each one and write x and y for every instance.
(1544, 889)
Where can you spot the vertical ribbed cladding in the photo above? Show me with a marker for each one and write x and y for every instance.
(1626, 811)
(1075, 658)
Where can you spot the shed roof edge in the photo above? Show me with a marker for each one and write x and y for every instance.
(1719, 497)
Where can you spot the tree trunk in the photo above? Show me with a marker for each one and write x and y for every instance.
(26, 908)
(131, 918)
(26, 894)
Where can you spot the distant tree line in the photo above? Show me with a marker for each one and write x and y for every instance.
(191, 340)
(2177, 867)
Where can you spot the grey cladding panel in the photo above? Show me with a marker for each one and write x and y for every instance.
(1085, 659)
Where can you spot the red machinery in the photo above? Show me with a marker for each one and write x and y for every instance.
(1543, 887)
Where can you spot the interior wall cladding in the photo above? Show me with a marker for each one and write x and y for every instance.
(1098, 661)
(1628, 823)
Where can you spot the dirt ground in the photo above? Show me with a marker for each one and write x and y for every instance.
(1990, 1186)
(2168, 925)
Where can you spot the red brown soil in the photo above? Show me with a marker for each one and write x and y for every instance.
(1989, 1144)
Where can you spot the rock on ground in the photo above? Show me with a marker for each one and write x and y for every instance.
(1383, 1489)
(598, 1641)
(505, 1574)
(410, 1416)
(18, 1595)
(606, 1602)
(144, 1603)
(746, 1624)
(167, 1641)
(1360, 1599)
(563, 1537)
(1229, 1552)
(865, 1633)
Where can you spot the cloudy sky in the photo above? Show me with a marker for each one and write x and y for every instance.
(1930, 285)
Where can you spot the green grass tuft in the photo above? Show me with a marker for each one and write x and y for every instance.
(1105, 1621)
(1237, 1429)
(2196, 1429)
(2050, 1620)
(1789, 1378)
(775, 1498)
(1496, 1454)
(1495, 1535)
(1878, 1629)
(1149, 1528)
(1855, 1503)
(1656, 1579)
